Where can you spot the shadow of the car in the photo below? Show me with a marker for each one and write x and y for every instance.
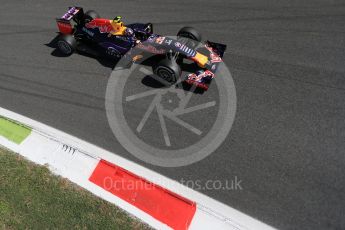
(150, 81)
(84, 50)
(190, 88)
(53, 44)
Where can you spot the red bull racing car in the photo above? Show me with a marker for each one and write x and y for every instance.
(118, 40)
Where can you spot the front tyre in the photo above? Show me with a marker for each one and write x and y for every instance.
(168, 71)
(67, 44)
(190, 32)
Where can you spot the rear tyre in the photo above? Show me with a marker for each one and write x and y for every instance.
(67, 44)
(189, 32)
(168, 71)
(90, 15)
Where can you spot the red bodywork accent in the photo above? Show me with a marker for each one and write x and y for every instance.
(65, 27)
(103, 25)
(196, 80)
(162, 204)
(197, 84)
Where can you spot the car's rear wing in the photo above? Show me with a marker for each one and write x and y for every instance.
(65, 22)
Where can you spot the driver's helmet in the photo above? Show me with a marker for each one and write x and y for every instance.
(118, 27)
(117, 19)
(129, 32)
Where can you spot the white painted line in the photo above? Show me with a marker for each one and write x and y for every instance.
(78, 167)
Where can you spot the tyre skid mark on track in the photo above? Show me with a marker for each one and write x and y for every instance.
(46, 97)
(18, 80)
(235, 20)
(49, 68)
(27, 32)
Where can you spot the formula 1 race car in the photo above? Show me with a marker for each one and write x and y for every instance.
(118, 40)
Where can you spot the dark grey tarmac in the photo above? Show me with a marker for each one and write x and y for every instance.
(287, 143)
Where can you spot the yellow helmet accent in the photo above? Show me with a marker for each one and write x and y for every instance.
(117, 19)
(118, 27)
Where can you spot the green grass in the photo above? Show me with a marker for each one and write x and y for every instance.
(13, 131)
(32, 198)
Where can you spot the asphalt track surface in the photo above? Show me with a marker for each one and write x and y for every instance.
(287, 61)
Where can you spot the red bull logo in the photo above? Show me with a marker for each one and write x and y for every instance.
(214, 57)
(103, 25)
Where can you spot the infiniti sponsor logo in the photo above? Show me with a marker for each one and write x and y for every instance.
(88, 32)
